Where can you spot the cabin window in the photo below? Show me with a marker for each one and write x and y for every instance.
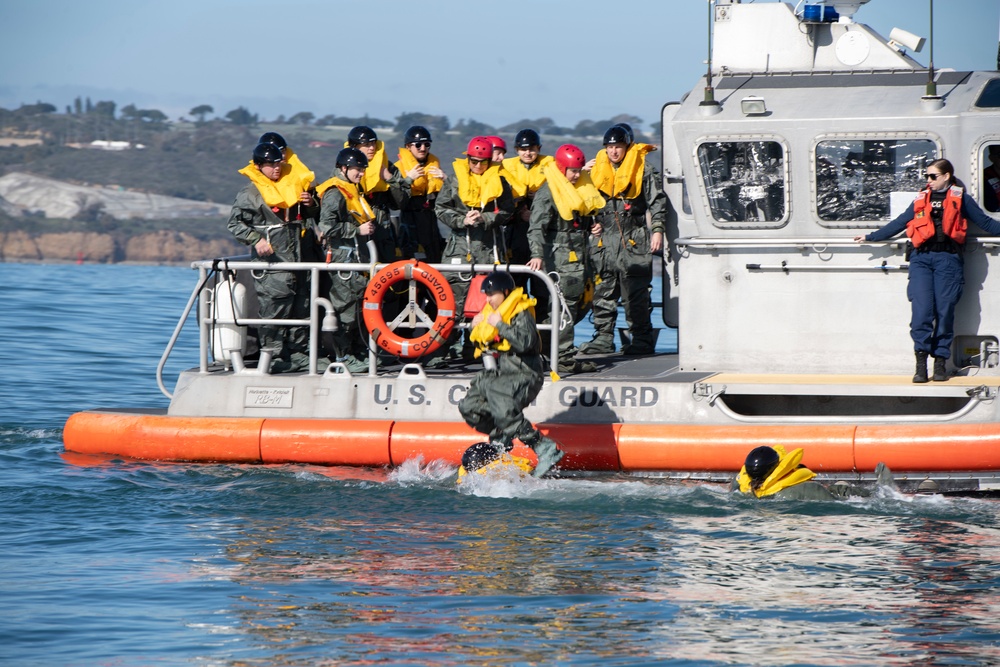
(856, 178)
(990, 97)
(991, 178)
(744, 180)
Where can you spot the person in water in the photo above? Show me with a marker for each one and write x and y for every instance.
(771, 471)
(506, 336)
(936, 222)
(271, 214)
(561, 223)
(485, 459)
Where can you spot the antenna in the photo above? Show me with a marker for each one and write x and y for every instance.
(931, 85)
(709, 106)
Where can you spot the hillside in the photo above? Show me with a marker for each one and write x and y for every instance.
(164, 202)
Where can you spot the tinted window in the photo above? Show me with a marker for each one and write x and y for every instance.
(990, 97)
(856, 178)
(745, 180)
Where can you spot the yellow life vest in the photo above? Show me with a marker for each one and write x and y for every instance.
(529, 180)
(477, 190)
(426, 184)
(357, 205)
(372, 180)
(284, 192)
(486, 336)
(580, 197)
(787, 473)
(626, 180)
(517, 189)
(506, 462)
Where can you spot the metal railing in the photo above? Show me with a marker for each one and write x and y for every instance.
(206, 321)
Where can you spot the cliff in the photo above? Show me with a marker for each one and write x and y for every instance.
(160, 247)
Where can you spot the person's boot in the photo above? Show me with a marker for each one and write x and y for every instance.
(920, 376)
(939, 373)
(599, 344)
(548, 454)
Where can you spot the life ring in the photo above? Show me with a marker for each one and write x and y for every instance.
(384, 332)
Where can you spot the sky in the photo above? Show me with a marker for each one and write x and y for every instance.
(495, 62)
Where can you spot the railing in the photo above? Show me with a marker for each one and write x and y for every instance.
(815, 243)
(243, 263)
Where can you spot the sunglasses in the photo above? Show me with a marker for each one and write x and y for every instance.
(478, 160)
(930, 177)
(422, 144)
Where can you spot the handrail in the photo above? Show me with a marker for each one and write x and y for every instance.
(243, 262)
(806, 241)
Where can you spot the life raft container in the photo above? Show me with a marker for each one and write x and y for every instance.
(384, 333)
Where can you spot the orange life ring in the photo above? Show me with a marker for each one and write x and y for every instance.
(384, 334)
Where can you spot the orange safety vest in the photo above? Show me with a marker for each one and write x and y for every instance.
(921, 228)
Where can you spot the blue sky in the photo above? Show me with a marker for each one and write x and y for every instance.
(496, 62)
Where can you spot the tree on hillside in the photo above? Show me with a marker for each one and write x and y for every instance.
(302, 117)
(432, 123)
(105, 108)
(473, 128)
(201, 111)
(152, 115)
(78, 106)
(35, 109)
(130, 112)
(241, 116)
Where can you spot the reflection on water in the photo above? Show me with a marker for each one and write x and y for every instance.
(619, 572)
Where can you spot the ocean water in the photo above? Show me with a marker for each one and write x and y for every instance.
(108, 562)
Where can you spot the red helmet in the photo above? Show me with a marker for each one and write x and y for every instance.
(498, 142)
(480, 147)
(569, 156)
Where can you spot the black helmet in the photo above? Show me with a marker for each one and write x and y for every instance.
(628, 131)
(273, 138)
(617, 135)
(361, 134)
(498, 281)
(352, 157)
(760, 463)
(267, 153)
(415, 134)
(479, 455)
(526, 138)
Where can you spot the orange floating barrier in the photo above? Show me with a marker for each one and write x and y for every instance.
(154, 436)
(444, 441)
(587, 446)
(692, 448)
(929, 447)
(352, 442)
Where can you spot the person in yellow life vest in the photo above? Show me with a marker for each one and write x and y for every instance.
(561, 223)
(484, 459)
(421, 170)
(293, 167)
(271, 215)
(773, 472)
(506, 337)
(499, 148)
(346, 222)
(623, 253)
(936, 223)
(473, 206)
(384, 188)
(526, 174)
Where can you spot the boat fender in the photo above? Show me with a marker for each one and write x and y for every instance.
(381, 284)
